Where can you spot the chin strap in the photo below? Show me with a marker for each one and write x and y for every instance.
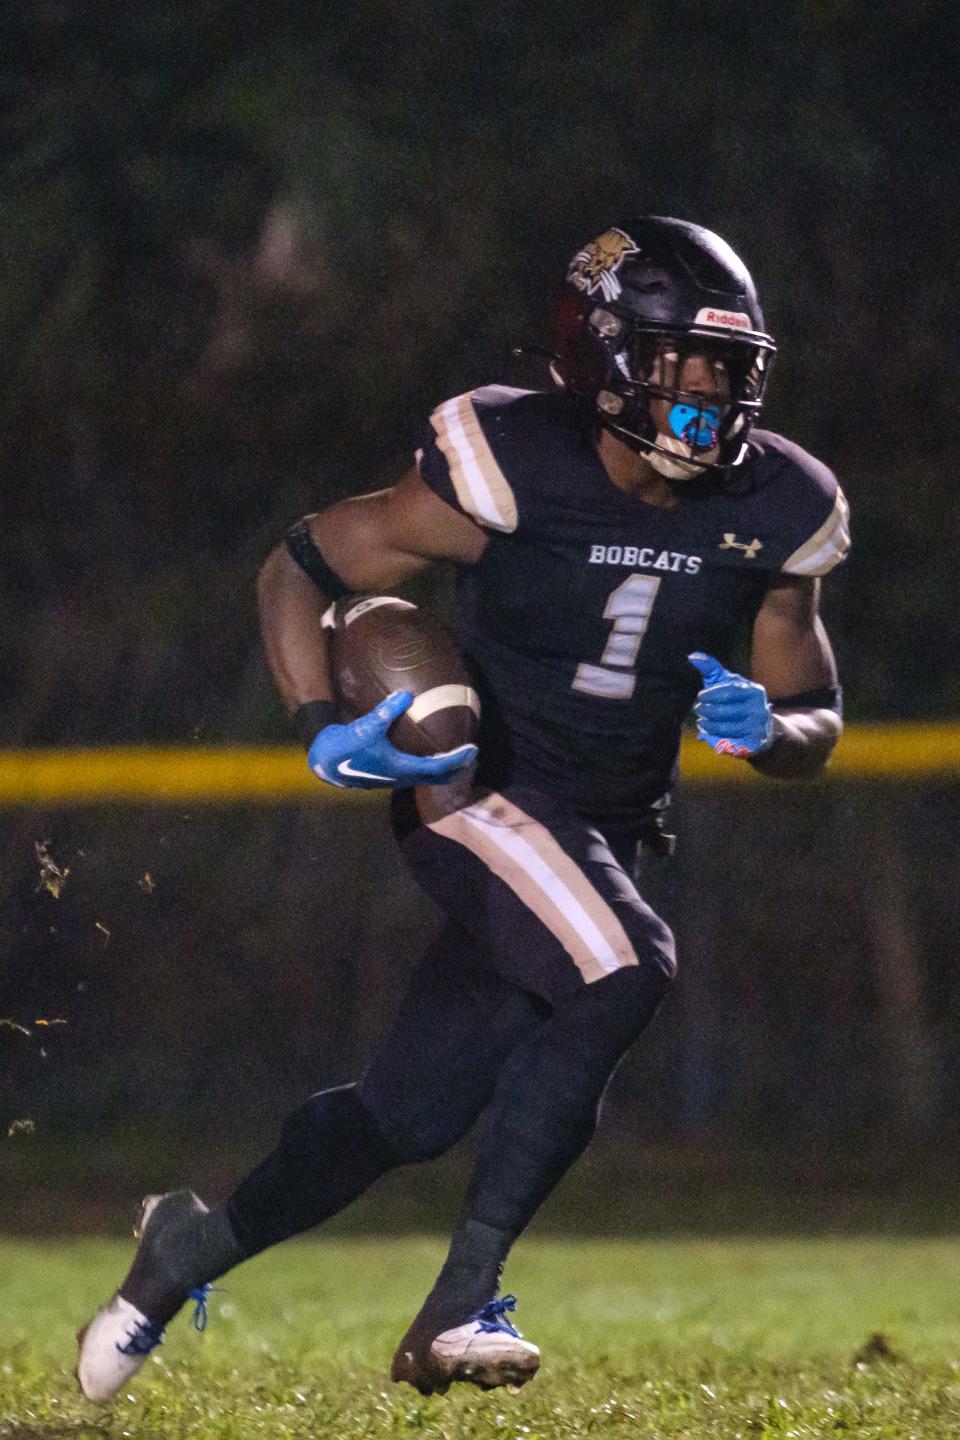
(667, 455)
(677, 464)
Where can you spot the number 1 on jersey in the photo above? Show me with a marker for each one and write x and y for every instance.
(629, 607)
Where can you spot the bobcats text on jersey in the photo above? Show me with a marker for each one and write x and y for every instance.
(646, 558)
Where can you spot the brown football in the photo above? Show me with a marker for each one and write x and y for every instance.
(379, 643)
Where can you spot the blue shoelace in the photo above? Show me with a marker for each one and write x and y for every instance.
(493, 1315)
(147, 1337)
(199, 1297)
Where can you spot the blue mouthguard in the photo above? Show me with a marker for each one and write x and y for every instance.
(684, 420)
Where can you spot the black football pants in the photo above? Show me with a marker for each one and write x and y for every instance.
(549, 967)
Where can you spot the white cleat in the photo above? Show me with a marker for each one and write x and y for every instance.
(119, 1338)
(113, 1347)
(487, 1358)
(486, 1351)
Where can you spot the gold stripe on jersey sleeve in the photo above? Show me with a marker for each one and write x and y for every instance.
(826, 546)
(481, 487)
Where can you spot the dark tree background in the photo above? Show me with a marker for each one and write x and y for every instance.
(245, 250)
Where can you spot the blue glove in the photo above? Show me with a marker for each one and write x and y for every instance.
(734, 716)
(360, 756)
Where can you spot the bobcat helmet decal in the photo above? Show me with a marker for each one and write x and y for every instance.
(595, 266)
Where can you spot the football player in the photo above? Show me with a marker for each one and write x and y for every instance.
(612, 539)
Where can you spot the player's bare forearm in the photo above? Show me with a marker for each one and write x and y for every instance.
(792, 657)
(371, 542)
(803, 740)
(291, 608)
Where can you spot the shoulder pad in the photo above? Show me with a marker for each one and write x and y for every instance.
(827, 546)
(458, 463)
(811, 509)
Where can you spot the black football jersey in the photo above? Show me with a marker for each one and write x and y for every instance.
(578, 619)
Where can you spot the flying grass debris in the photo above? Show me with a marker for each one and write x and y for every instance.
(15, 1025)
(8, 1024)
(52, 878)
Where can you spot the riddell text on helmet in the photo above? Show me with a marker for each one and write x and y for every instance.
(730, 319)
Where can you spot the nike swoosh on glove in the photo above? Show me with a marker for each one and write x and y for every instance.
(359, 756)
(734, 716)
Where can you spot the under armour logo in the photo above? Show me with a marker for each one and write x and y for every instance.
(730, 542)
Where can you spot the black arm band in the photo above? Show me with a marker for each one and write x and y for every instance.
(825, 697)
(313, 717)
(300, 544)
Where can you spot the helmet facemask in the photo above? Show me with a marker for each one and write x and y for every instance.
(682, 432)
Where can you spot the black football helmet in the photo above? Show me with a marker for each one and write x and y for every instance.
(661, 287)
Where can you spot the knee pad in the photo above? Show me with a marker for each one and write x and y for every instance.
(333, 1120)
(653, 945)
(415, 1148)
(420, 1123)
(330, 1151)
(613, 1011)
(660, 948)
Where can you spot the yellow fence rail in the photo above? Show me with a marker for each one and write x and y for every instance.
(266, 774)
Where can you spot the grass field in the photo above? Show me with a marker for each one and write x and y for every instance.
(678, 1338)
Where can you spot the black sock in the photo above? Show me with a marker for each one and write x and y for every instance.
(469, 1278)
(330, 1151)
(187, 1246)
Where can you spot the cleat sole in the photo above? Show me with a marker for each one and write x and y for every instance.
(513, 1373)
(429, 1378)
